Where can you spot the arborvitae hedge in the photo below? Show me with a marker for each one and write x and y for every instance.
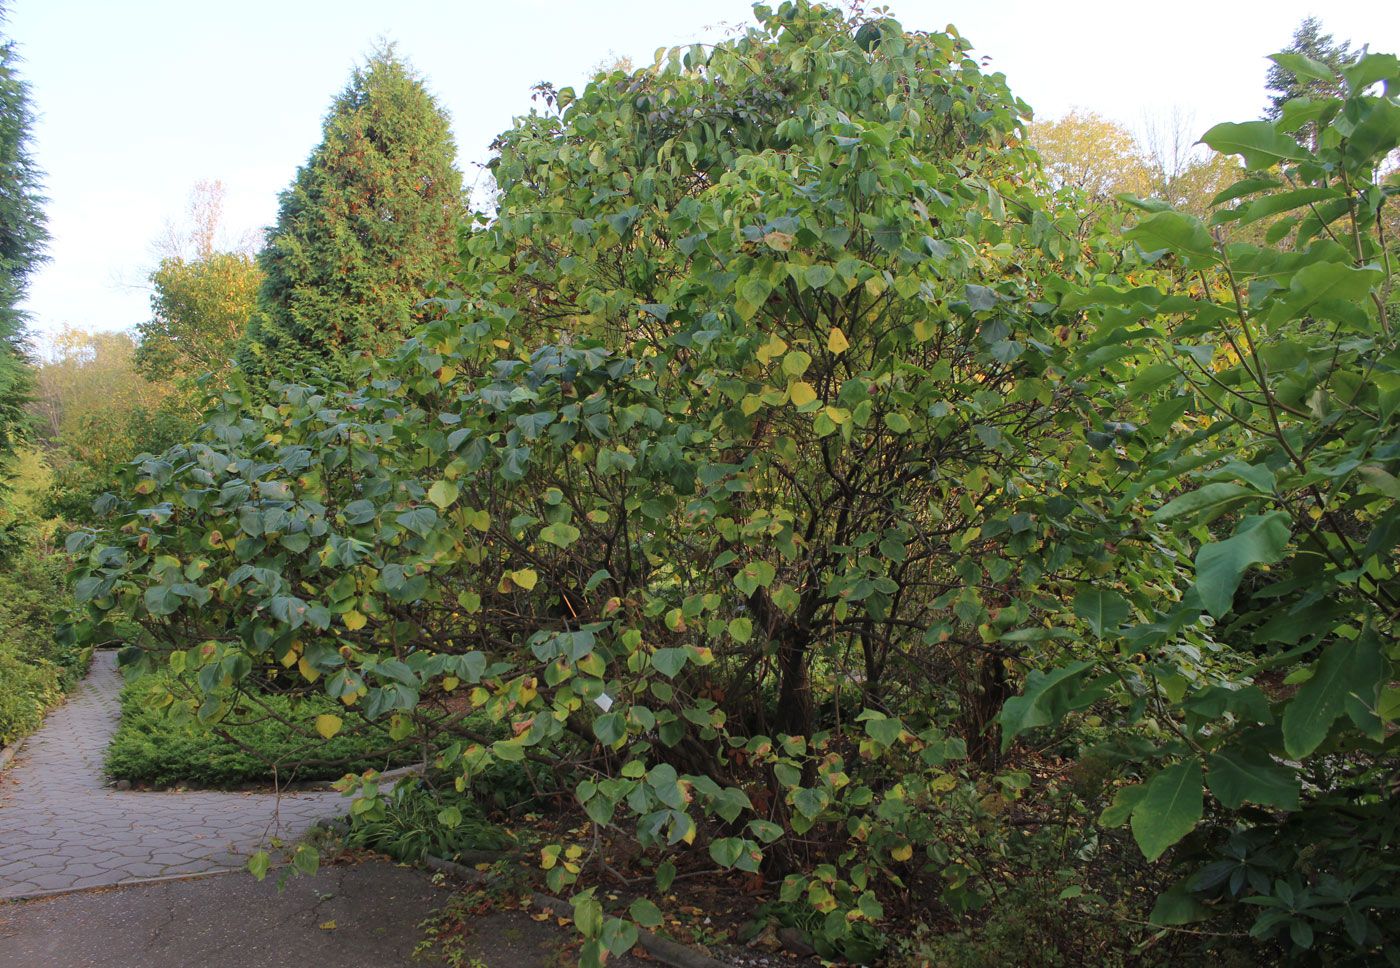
(368, 224)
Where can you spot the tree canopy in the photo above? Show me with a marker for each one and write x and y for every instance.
(793, 476)
(1091, 154)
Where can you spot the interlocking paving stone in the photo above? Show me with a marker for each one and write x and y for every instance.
(61, 827)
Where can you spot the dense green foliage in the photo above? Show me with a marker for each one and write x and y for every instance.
(256, 741)
(370, 221)
(35, 670)
(1278, 367)
(788, 455)
(90, 457)
(29, 689)
(22, 238)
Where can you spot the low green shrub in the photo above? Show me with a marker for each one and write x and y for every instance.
(35, 670)
(27, 688)
(159, 743)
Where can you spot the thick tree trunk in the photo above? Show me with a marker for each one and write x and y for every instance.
(794, 690)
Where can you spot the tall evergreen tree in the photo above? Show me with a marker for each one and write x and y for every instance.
(369, 222)
(1283, 85)
(22, 239)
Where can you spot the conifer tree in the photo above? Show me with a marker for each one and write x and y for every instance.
(368, 224)
(22, 239)
(1284, 85)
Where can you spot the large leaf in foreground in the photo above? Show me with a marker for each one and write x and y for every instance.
(1349, 667)
(1237, 776)
(1220, 565)
(1045, 700)
(1170, 809)
(1259, 142)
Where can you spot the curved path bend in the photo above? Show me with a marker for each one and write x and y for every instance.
(62, 828)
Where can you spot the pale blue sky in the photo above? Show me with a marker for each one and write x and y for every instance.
(140, 100)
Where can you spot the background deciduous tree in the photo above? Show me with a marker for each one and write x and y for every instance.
(95, 411)
(205, 291)
(1088, 152)
(1184, 173)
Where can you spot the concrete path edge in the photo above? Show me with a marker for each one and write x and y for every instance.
(10, 752)
(134, 882)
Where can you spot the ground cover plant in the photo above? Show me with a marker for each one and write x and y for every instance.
(260, 740)
(418, 820)
(830, 509)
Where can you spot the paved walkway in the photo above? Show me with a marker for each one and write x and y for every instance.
(365, 916)
(61, 827)
(361, 916)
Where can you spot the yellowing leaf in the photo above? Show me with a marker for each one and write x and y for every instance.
(327, 925)
(328, 725)
(836, 342)
(446, 374)
(782, 241)
(801, 394)
(774, 347)
(443, 493)
(481, 520)
(353, 620)
(525, 578)
(559, 534)
(308, 673)
(902, 852)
